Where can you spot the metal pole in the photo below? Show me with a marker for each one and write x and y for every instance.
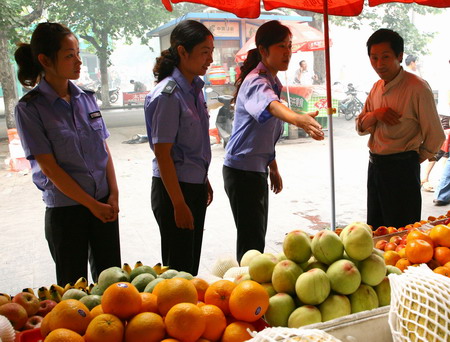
(329, 112)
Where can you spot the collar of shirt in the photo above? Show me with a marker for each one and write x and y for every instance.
(274, 81)
(395, 81)
(195, 87)
(50, 94)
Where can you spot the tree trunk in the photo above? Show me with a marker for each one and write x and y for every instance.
(319, 56)
(103, 57)
(7, 80)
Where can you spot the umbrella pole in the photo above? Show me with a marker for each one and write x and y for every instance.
(329, 112)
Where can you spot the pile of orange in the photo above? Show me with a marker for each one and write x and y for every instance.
(431, 247)
(171, 313)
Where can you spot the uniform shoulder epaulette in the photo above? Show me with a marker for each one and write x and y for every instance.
(29, 96)
(170, 87)
(262, 72)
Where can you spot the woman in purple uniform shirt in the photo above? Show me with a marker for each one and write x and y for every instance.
(258, 124)
(178, 129)
(63, 136)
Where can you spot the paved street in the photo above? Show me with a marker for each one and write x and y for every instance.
(304, 203)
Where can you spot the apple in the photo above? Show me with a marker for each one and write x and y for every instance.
(392, 230)
(16, 314)
(390, 246)
(382, 230)
(381, 244)
(4, 300)
(33, 322)
(396, 239)
(46, 306)
(29, 302)
(399, 247)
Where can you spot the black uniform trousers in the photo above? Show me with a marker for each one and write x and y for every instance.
(248, 193)
(393, 190)
(75, 236)
(180, 248)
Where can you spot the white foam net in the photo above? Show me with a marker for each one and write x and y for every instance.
(290, 334)
(420, 308)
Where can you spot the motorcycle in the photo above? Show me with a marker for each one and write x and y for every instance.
(225, 116)
(351, 105)
(113, 94)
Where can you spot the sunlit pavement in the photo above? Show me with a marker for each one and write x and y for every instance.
(304, 203)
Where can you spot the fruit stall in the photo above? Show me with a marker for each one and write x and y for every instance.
(352, 284)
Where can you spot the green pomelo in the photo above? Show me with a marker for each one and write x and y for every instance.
(241, 277)
(378, 252)
(169, 274)
(248, 256)
(316, 264)
(269, 289)
(354, 261)
(280, 308)
(364, 298)
(185, 275)
(372, 269)
(297, 246)
(112, 275)
(261, 268)
(151, 285)
(383, 291)
(355, 224)
(281, 256)
(142, 269)
(142, 280)
(284, 276)
(96, 290)
(335, 306)
(305, 264)
(304, 315)
(312, 287)
(392, 269)
(91, 301)
(327, 247)
(344, 277)
(358, 243)
(73, 294)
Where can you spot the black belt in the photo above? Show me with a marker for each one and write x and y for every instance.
(385, 158)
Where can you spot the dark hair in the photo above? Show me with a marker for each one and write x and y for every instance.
(46, 39)
(188, 34)
(301, 62)
(268, 34)
(386, 36)
(410, 59)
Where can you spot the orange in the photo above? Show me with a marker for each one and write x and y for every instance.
(105, 327)
(403, 264)
(64, 335)
(419, 251)
(442, 255)
(98, 310)
(391, 257)
(185, 321)
(218, 294)
(447, 265)
(249, 301)
(145, 327)
(237, 332)
(201, 285)
(402, 252)
(215, 322)
(170, 340)
(440, 234)
(69, 314)
(200, 304)
(442, 270)
(122, 300)
(149, 302)
(174, 291)
(418, 234)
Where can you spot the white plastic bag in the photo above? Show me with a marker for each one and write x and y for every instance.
(291, 335)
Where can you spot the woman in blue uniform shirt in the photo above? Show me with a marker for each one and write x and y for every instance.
(258, 124)
(178, 130)
(63, 136)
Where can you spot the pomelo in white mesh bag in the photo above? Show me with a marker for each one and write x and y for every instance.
(420, 308)
(291, 335)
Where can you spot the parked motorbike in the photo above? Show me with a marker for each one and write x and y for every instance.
(225, 116)
(351, 105)
(113, 94)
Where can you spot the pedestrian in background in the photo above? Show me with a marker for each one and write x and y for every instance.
(178, 129)
(401, 117)
(64, 137)
(258, 125)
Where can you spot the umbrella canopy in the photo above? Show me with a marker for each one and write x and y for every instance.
(304, 38)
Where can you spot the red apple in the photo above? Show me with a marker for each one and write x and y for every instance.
(33, 322)
(396, 239)
(381, 244)
(4, 299)
(392, 230)
(29, 301)
(390, 246)
(16, 314)
(45, 307)
(399, 247)
(382, 230)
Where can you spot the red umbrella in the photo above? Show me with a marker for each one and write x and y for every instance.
(304, 38)
(251, 9)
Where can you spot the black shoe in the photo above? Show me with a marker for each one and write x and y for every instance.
(439, 203)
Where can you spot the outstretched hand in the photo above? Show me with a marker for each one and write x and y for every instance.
(309, 124)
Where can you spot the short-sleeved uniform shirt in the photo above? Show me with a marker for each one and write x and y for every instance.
(176, 113)
(255, 130)
(73, 132)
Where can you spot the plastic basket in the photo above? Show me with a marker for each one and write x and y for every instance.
(33, 335)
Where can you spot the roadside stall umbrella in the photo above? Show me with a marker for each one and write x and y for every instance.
(251, 9)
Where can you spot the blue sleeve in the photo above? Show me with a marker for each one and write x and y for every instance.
(162, 117)
(258, 95)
